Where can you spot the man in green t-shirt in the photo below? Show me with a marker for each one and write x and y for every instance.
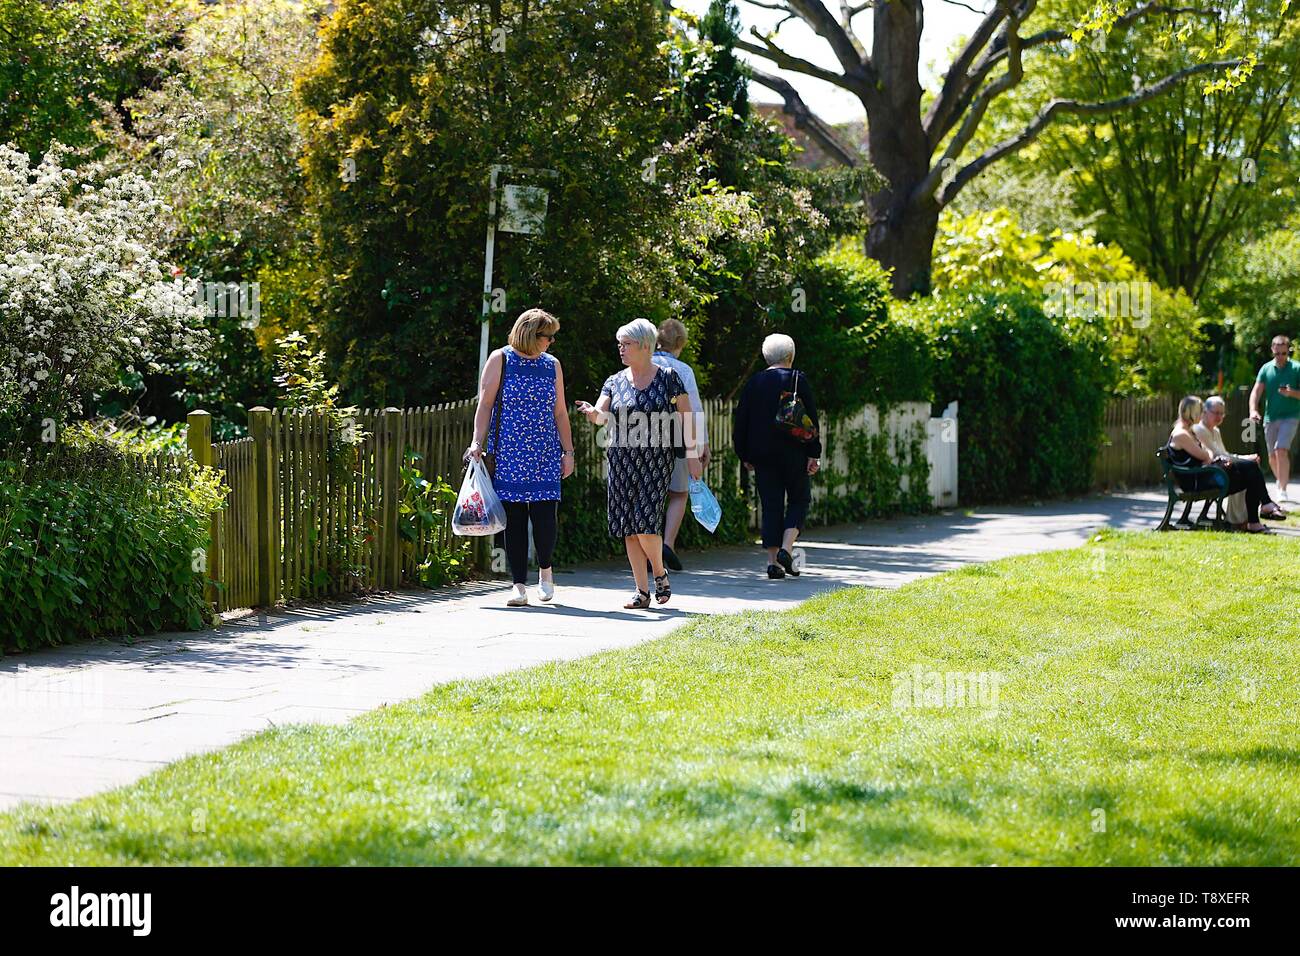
(1279, 382)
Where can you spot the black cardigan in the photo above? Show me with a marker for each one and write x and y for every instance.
(755, 434)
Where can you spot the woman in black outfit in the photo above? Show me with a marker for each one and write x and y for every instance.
(1243, 474)
(781, 465)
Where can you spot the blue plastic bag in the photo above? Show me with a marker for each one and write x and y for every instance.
(704, 505)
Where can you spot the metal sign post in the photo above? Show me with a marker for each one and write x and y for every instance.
(524, 211)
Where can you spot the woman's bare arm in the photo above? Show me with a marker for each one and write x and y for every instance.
(562, 423)
(487, 396)
(694, 464)
(1188, 443)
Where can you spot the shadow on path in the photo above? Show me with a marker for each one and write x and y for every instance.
(92, 716)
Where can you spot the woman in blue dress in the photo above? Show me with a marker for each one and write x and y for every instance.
(650, 420)
(523, 422)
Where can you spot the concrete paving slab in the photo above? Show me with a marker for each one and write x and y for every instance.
(81, 719)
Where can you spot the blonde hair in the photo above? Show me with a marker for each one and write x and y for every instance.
(529, 327)
(640, 331)
(1189, 410)
(672, 335)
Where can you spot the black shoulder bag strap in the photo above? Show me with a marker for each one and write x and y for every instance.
(491, 460)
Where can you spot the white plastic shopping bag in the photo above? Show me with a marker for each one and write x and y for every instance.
(478, 509)
(704, 505)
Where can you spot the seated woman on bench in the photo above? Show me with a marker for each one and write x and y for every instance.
(1243, 475)
(1207, 430)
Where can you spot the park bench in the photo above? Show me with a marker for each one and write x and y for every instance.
(1213, 495)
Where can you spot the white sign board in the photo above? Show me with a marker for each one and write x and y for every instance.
(523, 209)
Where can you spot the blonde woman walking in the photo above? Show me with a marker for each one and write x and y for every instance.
(523, 422)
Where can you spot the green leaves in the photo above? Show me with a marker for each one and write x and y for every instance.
(422, 520)
(1234, 78)
(1031, 391)
(130, 569)
(64, 67)
(990, 249)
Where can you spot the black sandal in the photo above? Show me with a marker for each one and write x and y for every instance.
(787, 563)
(640, 602)
(662, 591)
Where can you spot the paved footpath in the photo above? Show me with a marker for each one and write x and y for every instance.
(82, 719)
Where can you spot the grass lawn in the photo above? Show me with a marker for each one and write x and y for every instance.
(1135, 722)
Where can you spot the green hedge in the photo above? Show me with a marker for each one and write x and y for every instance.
(1032, 392)
(853, 351)
(87, 553)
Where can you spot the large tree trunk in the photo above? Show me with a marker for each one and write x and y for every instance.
(902, 230)
(901, 238)
(901, 142)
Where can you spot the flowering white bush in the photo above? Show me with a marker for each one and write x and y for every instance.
(83, 291)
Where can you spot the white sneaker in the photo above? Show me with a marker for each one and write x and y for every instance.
(518, 597)
(545, 589)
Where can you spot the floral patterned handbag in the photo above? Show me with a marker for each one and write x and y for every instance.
(792, 417)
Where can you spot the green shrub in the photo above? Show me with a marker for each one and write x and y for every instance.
(422, 520)
(89, 548)
(419, 100)
(852, 351)
(1031, 390)
(1155, 342)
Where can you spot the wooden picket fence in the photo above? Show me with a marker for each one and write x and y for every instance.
(1136, 427)
(310, 516)
(304, 520)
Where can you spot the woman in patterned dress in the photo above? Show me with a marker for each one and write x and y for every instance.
(532, 444)
(646, 406)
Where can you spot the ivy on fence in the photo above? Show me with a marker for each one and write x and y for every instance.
(886, 473)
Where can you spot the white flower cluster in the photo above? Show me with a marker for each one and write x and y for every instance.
(83, 291)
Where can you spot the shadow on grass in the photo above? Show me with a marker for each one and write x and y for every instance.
(1272, 756)
(814, 818)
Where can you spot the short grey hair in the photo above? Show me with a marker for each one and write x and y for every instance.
(1215, 403)
(778, 348)
(640, 331)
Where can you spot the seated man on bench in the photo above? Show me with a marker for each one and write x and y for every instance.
(1185, 449)
(1207, 431)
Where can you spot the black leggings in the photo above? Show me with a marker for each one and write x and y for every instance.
(1243, 475)
(545, 518)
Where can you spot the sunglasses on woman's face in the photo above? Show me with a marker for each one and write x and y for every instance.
(543, 335)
